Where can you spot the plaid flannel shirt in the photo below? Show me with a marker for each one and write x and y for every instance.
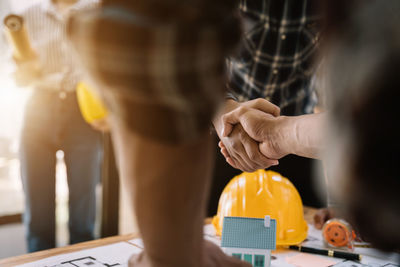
(164, 79)
(276, 59)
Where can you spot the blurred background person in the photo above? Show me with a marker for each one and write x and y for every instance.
(276, 62)
(53, 122)
(362, 58)
(363, 62)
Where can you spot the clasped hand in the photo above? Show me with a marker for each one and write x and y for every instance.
(252, 135)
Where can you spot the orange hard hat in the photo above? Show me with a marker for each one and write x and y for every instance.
(263, 193)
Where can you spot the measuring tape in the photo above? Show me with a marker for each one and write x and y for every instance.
(338, 233)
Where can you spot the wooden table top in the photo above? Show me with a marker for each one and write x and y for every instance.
(308, 216)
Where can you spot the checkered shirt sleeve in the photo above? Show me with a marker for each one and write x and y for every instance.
(277, 53)
(164, 80)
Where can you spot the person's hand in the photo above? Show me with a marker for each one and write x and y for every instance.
(268, 130)
(239, 149)
(27, 72)
(213, 256)
(242, 152)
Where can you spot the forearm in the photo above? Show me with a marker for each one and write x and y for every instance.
(170, 185)
(304, 134)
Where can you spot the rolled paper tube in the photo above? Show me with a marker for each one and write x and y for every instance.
(18, 38)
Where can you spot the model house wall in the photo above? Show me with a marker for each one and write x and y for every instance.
(257, 257)
(249, 239)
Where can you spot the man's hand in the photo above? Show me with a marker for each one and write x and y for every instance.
(233, 117)
(212, 257)
(242, 152)
(262, 127)
(239, 149)
(280, 136)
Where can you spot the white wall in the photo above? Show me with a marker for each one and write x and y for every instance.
(20, 5)
(12, 99)
(4, 10)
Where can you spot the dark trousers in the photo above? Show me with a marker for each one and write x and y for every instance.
(54, 123)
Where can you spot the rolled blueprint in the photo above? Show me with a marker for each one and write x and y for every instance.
(18, 37)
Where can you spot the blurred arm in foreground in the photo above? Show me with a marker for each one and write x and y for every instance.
(161, 74)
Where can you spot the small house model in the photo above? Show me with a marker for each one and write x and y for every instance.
(249, 239)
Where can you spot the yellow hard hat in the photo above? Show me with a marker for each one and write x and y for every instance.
(263, 193)
(90, 103)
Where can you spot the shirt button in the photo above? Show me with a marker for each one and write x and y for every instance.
(283, 37)
(62, 95)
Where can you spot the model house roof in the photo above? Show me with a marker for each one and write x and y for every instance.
(241, 232)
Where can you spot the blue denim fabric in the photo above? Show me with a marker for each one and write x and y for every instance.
(52, 123)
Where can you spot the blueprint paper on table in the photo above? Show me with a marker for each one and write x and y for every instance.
(310, 260)
(281, 258)
(290, 258)
(116, 254)
(370, 257)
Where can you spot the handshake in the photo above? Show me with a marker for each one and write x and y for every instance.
(254, 136)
